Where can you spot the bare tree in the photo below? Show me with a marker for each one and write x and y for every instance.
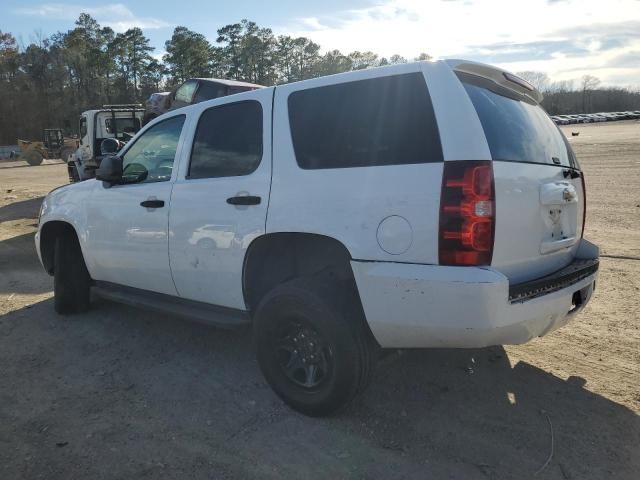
(540, 80)
(423, 56)
(588, 83)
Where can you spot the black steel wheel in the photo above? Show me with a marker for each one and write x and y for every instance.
(304, 355)
(313, 345)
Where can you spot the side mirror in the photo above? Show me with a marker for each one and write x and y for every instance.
(109, 146)
(110, 170)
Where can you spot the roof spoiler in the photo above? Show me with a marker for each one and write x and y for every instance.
(501, 77)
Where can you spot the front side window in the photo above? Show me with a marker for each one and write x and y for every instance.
(83, 127)
(380, 121)
(185, 92)
(228, 141)
(151, 157)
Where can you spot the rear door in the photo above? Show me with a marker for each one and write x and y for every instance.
(538, 184)
(219, 202)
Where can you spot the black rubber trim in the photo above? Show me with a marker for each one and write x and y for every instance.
(578, 270)
(210, 314)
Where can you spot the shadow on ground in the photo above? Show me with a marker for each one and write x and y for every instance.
(20, 268)
(124, 393)
(18, 163)
(22, 209)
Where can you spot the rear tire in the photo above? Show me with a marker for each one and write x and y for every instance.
(313, 345)
(71, 281)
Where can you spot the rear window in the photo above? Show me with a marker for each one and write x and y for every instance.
(516, 130)
(122, 125)
(381, 121)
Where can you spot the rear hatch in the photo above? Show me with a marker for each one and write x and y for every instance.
(539, 195)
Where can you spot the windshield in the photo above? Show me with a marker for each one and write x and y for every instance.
(517, 130)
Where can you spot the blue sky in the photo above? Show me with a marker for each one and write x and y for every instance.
(564, 38)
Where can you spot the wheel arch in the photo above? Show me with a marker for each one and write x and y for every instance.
(274, 258)
(49, 232)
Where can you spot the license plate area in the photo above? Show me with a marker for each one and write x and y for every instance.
(559, 211)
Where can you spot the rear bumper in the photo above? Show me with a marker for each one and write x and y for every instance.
(417, 306)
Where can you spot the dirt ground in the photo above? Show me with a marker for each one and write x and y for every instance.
(121, 393)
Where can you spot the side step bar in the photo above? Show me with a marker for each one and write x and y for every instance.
(198, 311)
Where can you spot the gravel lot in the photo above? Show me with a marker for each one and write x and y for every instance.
(124, 393)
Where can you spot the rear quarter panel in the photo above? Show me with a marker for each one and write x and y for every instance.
(348, 204)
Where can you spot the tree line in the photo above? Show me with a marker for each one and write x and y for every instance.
(583, 95)
(47, 83)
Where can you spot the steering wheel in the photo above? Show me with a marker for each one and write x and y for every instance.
(135, 172)
(165, 164)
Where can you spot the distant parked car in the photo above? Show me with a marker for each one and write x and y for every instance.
(596, 117)
(194, 90)
(198, 90)
(559, 120)
(566, 118)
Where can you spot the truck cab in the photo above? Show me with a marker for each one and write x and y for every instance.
(120, 122)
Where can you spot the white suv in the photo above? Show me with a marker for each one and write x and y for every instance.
(432, 204)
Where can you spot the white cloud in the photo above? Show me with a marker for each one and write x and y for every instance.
(117, 16)
(556, 37)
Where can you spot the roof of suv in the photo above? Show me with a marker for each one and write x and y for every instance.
(499, 76)
(230, 83)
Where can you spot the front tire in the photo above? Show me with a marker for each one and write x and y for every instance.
(312, 344)
(71, 280)
(33, 158)
(66, 152)
(74, 175)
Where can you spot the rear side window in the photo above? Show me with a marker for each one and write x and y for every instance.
(381, 121)
(516, 130)
(228, 141)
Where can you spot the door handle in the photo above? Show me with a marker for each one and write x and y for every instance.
(244, 200)
(152, 204)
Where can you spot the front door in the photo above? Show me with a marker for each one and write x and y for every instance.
(219, 201)
(128, 234)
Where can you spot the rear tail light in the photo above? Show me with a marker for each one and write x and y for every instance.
(467, 213)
